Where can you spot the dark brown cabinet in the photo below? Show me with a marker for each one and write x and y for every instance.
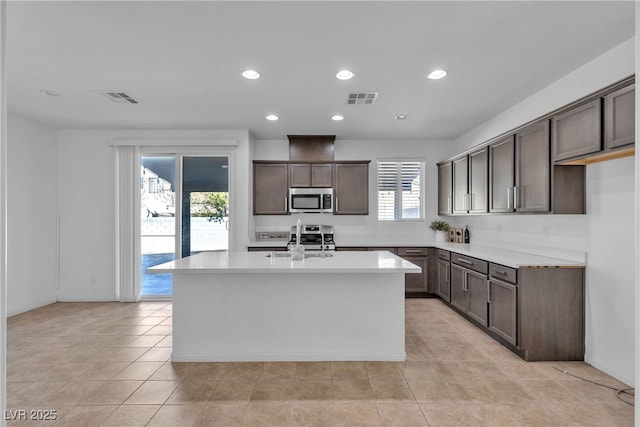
(444, 188)
(536, 312)
(469, 287)
(470, 182)
(443, 275)
(416, 283)
(351, 188)
(501, 175)
(478, 181)
(460, 185)
(514, 174)
(577, 132)
(585, 134)
(619, 118)
(532, 169)
(502, 300)
(310, 175)
(270, 188)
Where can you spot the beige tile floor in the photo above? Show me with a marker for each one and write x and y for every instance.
(107, 364)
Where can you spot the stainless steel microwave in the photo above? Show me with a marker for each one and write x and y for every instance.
(311, 200)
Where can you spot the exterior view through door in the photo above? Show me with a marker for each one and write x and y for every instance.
(187, 221)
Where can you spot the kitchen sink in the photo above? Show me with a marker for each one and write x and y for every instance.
(315, 254)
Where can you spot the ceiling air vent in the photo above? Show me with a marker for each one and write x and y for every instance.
(356, 98)
(119, 97)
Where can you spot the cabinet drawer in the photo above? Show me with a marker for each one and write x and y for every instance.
(501, 272)
(445, 255)
(470, 263)
(412, 251)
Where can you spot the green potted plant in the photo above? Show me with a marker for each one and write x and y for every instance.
(441, 228)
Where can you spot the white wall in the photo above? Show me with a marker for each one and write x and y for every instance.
(87, 200)
(32, 214)
(605, 233)
(611, 260)
(614, 65)
(353, 228)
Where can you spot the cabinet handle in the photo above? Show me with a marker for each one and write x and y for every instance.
(509, 198)
(413, 251)
(448, 273)
(488, 292)
(449, 204)
(464, 261)
(516, 202)
(465, 284)
(502, 272)
(465, 202)
(336, 204)
(285, 204)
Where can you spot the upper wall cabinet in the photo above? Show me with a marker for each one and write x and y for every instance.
(310, 175)
(270, 188)
(519, 177)
(619, 118)
(532, 192)
(577, 132)
(600, 130)
(460, 184)
(478, 181)
(540, 167)
(351, 191)
(470, 182)
(444, 188)
(501, 175)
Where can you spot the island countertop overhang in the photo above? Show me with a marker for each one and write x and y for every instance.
(343, 262)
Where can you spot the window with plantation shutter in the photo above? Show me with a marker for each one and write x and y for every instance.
(400, 185)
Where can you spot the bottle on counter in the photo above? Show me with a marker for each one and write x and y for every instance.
(466, 234)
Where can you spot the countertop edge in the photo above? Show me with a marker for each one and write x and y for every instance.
(506, 257)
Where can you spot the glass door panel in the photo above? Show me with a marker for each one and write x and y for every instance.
(205, 204)
(158, 222)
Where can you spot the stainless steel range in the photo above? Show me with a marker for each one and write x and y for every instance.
(314, 237)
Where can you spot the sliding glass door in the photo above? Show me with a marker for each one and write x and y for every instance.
(184, 202)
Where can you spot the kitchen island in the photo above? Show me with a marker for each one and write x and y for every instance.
(260, 306)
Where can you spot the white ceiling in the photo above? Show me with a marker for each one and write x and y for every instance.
(183, 61)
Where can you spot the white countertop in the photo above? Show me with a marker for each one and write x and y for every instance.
(259, 262)
(506, 257)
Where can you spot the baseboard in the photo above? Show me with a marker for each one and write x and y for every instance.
(288, 357)
(63, 299)
(29, 307)
(612, 371)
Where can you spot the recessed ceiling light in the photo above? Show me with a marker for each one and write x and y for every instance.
(272, 117)
(401, 116)
(436, 74)
(337, 117)
(47, 92)
(344, 75)
(250, 74)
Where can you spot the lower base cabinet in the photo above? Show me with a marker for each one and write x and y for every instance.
(537, 312)
(469, 293)
(443, 280)
(416, 284)
(502, 300)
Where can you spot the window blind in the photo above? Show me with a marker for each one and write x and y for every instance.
(399, 190)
